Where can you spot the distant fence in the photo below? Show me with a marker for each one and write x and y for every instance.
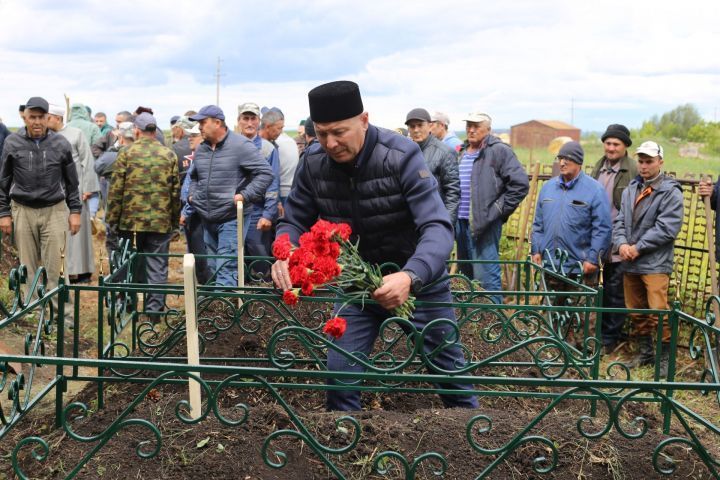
(690, 282)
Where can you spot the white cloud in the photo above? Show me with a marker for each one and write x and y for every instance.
(619, 61)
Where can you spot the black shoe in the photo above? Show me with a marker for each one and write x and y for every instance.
(664, 360)
(646, 353)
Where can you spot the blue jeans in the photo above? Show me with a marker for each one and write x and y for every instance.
(195, 237)
(484, 247)
(221, 239)
(362, 331)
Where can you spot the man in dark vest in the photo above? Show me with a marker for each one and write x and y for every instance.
(378, 183)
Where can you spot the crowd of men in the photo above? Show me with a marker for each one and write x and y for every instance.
(410, 200)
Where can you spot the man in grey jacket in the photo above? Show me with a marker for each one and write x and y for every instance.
(440, 159)
(644, 233)
(228, 169)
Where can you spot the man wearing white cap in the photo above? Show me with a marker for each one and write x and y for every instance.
(440, 123)
(79, 249)
(492, 185)
(644, 233)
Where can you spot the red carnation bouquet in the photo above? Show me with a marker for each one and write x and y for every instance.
(326, 256)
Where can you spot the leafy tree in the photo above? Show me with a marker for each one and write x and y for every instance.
(675, 123)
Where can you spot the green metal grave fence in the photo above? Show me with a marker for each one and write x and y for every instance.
(521, 349)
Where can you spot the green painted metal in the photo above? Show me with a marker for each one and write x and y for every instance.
(529, 337)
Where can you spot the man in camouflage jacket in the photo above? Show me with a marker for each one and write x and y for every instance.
(144, 202)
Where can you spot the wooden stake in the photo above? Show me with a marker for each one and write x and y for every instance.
(711, 259)
(67, 108)
(191, 330)
(240, 250)
(524, 217)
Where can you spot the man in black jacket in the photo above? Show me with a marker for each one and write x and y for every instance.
(377, 182)
(440, 159)
(39, 192)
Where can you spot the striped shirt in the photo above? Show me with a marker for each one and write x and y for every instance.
(466, 164)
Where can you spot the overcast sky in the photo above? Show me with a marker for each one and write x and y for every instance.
(616, 61)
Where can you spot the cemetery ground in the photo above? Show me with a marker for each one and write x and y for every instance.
(414, 424)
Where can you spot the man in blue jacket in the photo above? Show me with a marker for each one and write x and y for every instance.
(644, 233)
(378, 183)
(228, 169)
(572, 213)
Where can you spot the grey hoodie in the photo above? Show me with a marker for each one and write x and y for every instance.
(652, 229)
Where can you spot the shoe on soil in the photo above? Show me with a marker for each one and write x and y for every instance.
(646, 353)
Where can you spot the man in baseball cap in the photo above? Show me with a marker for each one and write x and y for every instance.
(644, 233)
(440, 123)
(363, 176)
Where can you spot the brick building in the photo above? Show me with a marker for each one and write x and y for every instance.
(539, 133)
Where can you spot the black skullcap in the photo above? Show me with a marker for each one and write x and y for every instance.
(618, 131)
(335, 101)
(309, 127)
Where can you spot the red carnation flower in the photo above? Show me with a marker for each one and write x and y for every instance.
(282, 247)
(335, 327)
(322, 230)
(299, 274)
(290, 297)
(307, 288)
(343, 230)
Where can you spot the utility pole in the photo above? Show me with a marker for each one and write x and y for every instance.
(217, 83)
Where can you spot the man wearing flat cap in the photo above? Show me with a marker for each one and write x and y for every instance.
(440, 159)
(614, 171)
(493, 183)
(228, 169)
(378, 183)
(39, 193)
(144, 203)
(572, 213)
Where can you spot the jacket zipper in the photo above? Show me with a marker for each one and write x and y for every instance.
(207, 186)
(355, 210)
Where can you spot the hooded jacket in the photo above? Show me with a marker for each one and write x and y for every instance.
(80, 118)
(653, 228)
(38, 174)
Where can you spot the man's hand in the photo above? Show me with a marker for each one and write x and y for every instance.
(182, 220)
(86, 195)
(628, 252)
(281, 275)
(264, 224)
(6, 225)
(238, 198)
(589, 268)
(705, 188)
(281, 210)
(74, 223)
(394, 291)
(537, 258)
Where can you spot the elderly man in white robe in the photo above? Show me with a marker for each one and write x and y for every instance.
(79, 249)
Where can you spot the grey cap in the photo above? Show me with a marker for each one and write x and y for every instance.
(38, 103)
(418, 114)
(145, 121)
(572, 151)
(126, 129)
(185, 123)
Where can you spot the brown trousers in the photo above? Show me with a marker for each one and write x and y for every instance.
(648, 290)
(40, 239)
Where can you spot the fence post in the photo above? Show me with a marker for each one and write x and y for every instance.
(673, 321)
(191, 331)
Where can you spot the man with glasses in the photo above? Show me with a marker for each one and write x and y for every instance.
(614, 171)
(492, 185)
(572, 213)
